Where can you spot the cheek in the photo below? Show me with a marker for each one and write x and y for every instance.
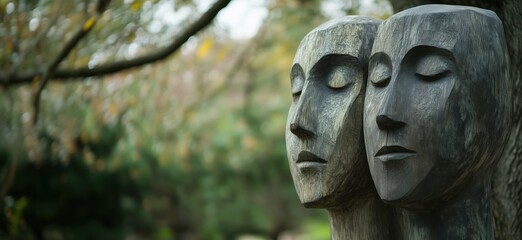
(349, 139)
(445, 127)
(334, 114)
(373, 102)
(289, 138)
(455, 134)
(429, 104)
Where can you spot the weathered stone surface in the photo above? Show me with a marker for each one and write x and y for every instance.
(507, 180)
(324, 129)
(436, 118)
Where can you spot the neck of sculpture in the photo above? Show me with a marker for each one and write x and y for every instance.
(467, 216)
(365, 220)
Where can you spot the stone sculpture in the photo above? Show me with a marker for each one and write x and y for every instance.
(436, 118)
(324, 136)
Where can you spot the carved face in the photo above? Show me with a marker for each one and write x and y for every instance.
(323, 134)
(430, 115)
(409, 120)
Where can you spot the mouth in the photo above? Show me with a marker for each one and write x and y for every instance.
(394, 153)
(307, 159)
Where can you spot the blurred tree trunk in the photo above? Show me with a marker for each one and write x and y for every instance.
(507, 181)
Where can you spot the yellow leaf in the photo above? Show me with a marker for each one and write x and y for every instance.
(135, 6)
(204, 48)
(88, 25)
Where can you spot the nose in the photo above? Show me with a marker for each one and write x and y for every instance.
(303, 121)
(386, 123)
(390, 115)
(300, 131)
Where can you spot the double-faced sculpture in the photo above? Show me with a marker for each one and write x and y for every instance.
(324, 136)
(436, 117)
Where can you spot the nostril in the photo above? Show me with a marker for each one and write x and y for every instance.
(386, 123)
(293, 127)
(300, 132)
(383, 119)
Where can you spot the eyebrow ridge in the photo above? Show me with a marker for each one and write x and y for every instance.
(380, 55)
(429, 50)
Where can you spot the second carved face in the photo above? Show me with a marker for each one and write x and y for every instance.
(436, 103)
(324, 128)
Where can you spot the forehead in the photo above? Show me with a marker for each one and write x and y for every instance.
(335, 38)
(397, 36)
(458, 29)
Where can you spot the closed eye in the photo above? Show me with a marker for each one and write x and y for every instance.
(297, 80)
(432, 77)
(381, 83)
(341, 78)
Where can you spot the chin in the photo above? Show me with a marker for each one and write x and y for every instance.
(390, 195)
(318, 201)
(395, 193)
(311, 192)
(314, 195)
(416, 199)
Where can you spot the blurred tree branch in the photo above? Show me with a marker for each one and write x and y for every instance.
(84, 29)
(109, 68)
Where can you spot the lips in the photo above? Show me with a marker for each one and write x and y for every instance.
(306, 156)
(394, 153)
(306, 160)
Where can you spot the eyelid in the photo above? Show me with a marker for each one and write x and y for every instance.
(380, 69)
(431, 71)
(297, 83)
(341, 77)
(297, 86)
(433, 76)
(383, 82)
(433, 66)
(380, 75)
(296, 80)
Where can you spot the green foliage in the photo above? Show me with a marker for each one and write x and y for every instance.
(14, 216)
(315, 229)
(78, 198)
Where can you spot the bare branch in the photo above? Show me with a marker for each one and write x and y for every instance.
(109, 68)
(84, 29)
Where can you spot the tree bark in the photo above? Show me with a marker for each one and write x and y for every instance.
(507, 180)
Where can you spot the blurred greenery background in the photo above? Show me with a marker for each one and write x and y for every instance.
(187, 148)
